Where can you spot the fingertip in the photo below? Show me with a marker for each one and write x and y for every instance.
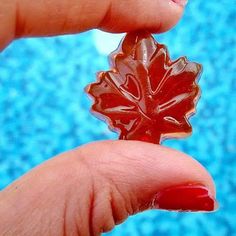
(157, 16)
(169, 15)
(29, 18)
(152, 176)
(163, 166)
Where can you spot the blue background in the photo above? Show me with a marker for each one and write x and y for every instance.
(44, 110)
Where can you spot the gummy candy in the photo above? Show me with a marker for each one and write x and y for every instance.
(146, 96)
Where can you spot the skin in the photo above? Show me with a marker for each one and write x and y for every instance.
(89, 190)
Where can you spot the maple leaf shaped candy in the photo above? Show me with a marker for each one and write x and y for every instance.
(146, 96)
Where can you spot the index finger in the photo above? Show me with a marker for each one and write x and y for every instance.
(21, 18)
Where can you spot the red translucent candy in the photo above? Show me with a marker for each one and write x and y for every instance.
(146, 96)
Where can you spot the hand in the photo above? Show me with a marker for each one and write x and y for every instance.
(88, 190)
(21, 18)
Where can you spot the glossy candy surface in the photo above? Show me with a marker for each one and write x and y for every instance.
(146, 96)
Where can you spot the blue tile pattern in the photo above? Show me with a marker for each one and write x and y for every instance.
(44, 111)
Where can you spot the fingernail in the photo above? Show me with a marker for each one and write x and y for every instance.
(181, 2)
(185, 198)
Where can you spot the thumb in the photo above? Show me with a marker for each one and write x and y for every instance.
(88, 190)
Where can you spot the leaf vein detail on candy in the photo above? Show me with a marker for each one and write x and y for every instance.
(146, 96)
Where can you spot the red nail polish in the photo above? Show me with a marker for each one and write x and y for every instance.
(181, 2)
(185, 198)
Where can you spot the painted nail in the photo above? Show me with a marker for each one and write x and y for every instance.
(181, 2)
(185, 198)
